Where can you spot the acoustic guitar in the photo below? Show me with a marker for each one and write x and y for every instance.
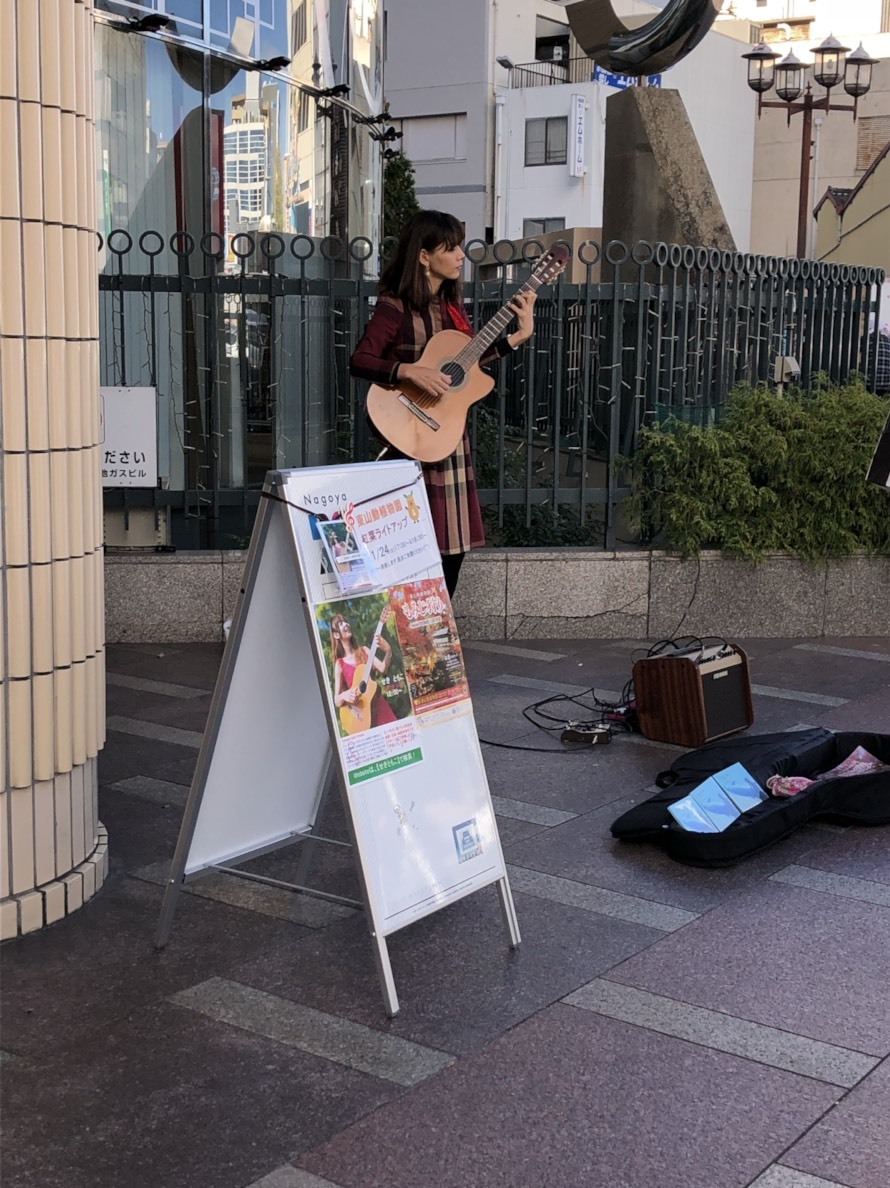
(356, 717)
(429, 428)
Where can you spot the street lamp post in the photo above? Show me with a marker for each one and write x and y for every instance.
(830, 66)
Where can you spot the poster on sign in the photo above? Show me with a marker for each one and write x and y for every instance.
(364, 681)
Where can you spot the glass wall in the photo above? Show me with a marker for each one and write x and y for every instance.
(214, 177)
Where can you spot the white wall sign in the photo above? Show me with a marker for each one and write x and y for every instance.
(370, 685)
(128, 437)
(577, 126)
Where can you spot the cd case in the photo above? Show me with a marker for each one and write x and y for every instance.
(718, 801)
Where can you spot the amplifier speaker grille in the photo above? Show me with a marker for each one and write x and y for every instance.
(692, 698)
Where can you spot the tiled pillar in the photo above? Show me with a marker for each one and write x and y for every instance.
(52, 845)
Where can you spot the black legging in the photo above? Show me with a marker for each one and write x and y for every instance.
(451, 564)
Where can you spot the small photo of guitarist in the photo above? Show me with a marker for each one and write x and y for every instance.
(360, 671)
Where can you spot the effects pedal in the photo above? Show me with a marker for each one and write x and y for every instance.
(592, 735)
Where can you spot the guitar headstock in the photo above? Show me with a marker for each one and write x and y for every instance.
(551, 264)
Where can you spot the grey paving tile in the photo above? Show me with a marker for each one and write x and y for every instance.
(585, 851)
(536, 814)
(478, 645)
(596, 899)
(154, 730)
(797, 695)
(859, 852)
(373, 1052)
(577, 781)
(832, 672)
(851, 1144)
(140, 831)
(195, 665)
(180, 713)
(716, 1029)
(459, 984)
(570, 1098)
(148, 788)
(126, 755)
(859, 654)
(799, 960)
(169, 1099)
(834, 884)
(511, 830)
(162, 688)
(291, 1177)
(869, 712)
(778, 1176)
(102, 964)
(253, 897)
(543, 686)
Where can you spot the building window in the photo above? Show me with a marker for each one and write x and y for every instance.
(299, 27)
(545, 141)
(551, 40)
(303, 111)
(435, 138)
(534, 227)
(872, 133)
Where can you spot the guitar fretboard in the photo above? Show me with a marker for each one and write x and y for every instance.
(494, 327)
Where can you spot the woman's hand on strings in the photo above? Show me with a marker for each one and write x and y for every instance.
(523, 305)
(431, 382)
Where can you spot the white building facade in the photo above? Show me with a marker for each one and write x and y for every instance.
(504, 118)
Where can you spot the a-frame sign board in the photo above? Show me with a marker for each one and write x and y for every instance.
(343, 661)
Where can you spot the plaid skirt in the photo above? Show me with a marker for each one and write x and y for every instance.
(454, 504)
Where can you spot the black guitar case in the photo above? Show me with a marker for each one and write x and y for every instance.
(849, 800)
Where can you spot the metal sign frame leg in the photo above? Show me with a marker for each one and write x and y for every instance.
(508, 910)
(384, 974)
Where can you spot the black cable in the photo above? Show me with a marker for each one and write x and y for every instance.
(566, 750)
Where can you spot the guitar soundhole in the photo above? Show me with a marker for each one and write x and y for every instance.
(456, 372)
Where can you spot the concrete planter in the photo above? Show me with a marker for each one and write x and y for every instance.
(545, 594)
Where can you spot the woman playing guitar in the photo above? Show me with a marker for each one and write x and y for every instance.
(355, 694)
(419, 294)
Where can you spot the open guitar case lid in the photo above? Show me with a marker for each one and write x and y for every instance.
(851, 800)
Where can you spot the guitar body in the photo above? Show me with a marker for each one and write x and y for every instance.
(422, 428)
(357, 717)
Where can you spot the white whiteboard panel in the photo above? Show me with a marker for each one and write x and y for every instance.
(271, 745)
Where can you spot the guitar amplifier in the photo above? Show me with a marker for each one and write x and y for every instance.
(691, 697)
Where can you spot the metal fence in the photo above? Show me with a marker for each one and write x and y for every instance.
(248, 346)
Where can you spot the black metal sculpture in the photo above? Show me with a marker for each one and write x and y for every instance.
(626, 47)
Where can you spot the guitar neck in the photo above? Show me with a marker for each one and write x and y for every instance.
(372, 652)
(494, 327)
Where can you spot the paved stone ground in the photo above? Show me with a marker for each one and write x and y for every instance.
(660, 1027)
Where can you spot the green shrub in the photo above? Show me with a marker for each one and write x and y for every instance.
(777, 473)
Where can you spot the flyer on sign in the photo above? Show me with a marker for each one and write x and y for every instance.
(432, 659)
(348, 558)
(362, 542)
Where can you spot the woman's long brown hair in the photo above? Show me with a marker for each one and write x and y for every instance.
(404, 275)
(339, 652)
